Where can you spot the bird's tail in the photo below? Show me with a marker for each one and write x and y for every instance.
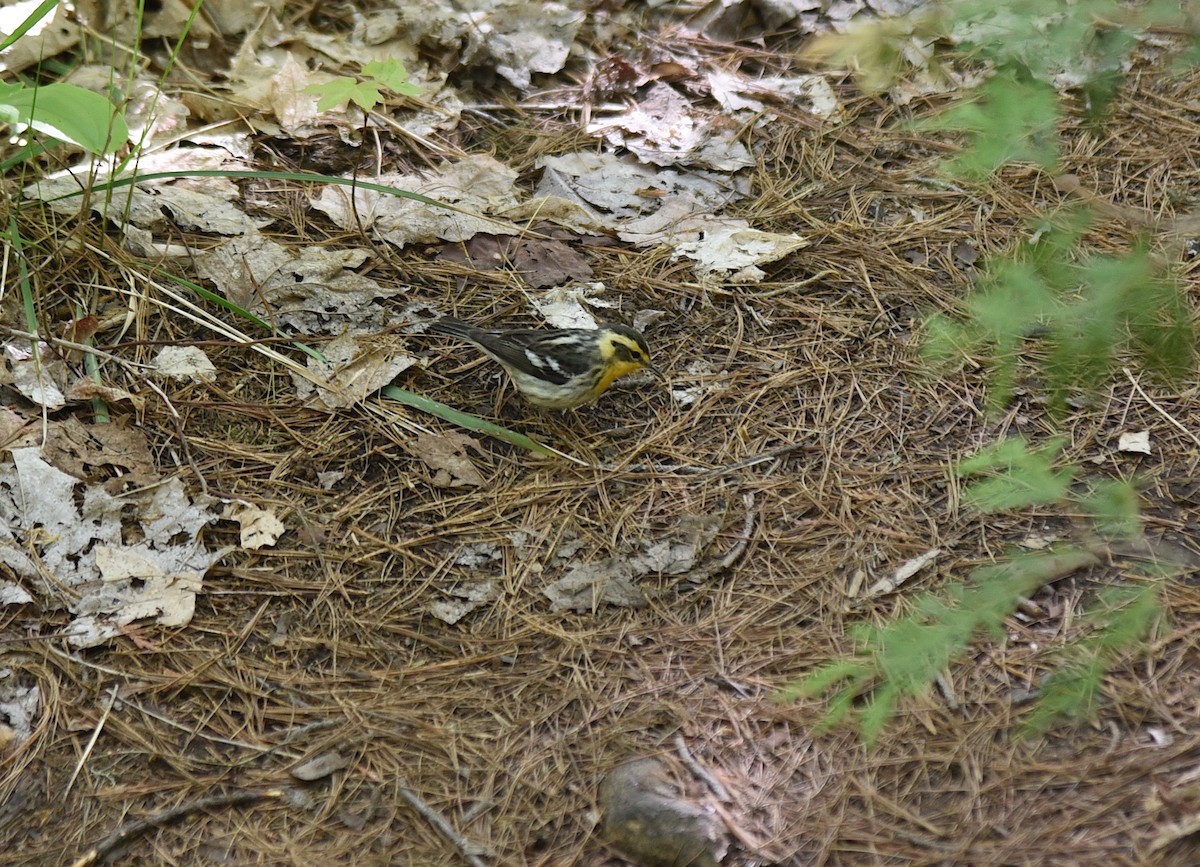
(452, 327)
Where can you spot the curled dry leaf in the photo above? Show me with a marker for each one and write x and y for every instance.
(321, 766)
(353, 368)
(1135, 441)
(462, 600)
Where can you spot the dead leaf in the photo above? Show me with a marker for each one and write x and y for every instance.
(311, 289)
(1135, 441)
(665, 128)
(731, 252)
(445, 454)
(478, 554)
(354, 367)
(675, 551)
(113, 453)
(20, 707)
(522, 38)
(567, 306)
(483, 252)
(550, 263)
(540, 263)
(17, 431)
(54, 34)
(589, 586)
(78, 532)
(40, 376)
(260, 528)
(475, 184)
(678, 550)
(86, 388)
(462, 600)
(136, 633)
(321, 766)
(10, 593)
(616, 187)
(185, 362)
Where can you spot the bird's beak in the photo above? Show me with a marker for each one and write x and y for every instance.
(656, 370)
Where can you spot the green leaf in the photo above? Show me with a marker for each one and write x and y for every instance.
(1122, 619)
(365, 93)
(1071, 692)
(67, 113)
(1083, 311)
(905, 656)
(824, 678)
(392, 75)
(1126, 615)
(840, 707)
(880, 708)
(1015, 298)
(343, 89)
(947, 343)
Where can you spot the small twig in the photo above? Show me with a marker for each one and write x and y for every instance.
(183, 443)
(700, 772)
(78, 347)
(470, 851)
(112, 699)
(1160, 410)
(743, 836)
(947, 690)
(141, 826)
(739, 548)
(707, 570)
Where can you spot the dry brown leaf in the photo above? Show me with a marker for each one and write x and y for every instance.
(445, 454)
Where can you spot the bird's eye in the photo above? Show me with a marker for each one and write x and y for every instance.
(624, 353)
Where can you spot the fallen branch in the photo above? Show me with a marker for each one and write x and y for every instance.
(470, 851)
(132, 829)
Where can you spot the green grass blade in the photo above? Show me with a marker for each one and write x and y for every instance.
(225, 303)
(472, 422)
(28, 24)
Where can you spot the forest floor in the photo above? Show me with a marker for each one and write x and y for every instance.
(398, 631)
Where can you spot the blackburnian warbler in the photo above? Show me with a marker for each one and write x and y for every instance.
(560, 368)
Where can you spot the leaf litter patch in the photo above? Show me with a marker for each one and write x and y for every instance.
(108, 559)
(612, 581)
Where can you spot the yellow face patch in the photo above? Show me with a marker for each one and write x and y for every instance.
(622, 349)
(622, 356)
